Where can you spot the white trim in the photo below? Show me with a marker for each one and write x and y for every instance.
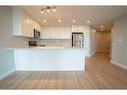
(118, 64)
(6, 74)
(88, 55)
(92, 53)
(102, 50)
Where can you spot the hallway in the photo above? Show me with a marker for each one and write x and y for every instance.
(99, 74)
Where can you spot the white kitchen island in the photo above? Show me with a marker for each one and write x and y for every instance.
(49, 59)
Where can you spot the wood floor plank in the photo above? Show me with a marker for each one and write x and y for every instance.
(99, 74)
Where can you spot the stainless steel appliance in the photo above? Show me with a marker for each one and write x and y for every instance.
(36, 33)
(32, 43)
(77, 39)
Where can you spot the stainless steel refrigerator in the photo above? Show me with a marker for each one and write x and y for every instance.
(77, 39)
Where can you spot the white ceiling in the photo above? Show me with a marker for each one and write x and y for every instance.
(98, 15)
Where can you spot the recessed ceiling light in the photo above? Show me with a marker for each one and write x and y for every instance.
(42, 11)
(101, 29)
(94, 30)
(44, 20)
(54, 10)
(88, 21)
(48, 10)
(59, 20)
(101, 26)
(73, 21)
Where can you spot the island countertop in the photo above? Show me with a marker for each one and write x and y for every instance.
(40, 47)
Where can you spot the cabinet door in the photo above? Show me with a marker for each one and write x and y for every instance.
(24, 25)
(36, 25)
(78, 28)
(81, 28)
(56, 32)
(27, 25)
(17, 19)
(30, 28)
(45, 33)
(75, 28)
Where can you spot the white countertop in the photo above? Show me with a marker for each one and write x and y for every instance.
(39, 47)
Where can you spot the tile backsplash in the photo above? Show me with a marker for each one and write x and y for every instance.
(56, 42)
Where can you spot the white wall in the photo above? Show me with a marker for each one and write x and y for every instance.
(6, 38)
(92, 41)
(103, 41)
(89, 41)
(119, 42)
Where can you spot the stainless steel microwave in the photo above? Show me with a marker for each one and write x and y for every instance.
(36, 33)
(32, 43)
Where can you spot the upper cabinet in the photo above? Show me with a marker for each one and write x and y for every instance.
(56, 32)
(78, 28)
(36, 25)
(23, 24)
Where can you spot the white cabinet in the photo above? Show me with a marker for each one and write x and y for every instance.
(36, 25)
(46, 33)
(78, 28)
(23, 24)
(27, 25)
(56, 32)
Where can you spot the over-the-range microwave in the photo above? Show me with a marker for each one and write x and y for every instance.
(36, 33)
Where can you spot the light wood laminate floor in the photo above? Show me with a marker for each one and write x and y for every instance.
(99, 74)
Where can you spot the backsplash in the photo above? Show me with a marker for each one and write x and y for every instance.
(56, 42)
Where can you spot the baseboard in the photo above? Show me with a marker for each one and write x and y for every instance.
(88, 56)
(118, 64)
(102, 51)
(6, 74)
(92, 53)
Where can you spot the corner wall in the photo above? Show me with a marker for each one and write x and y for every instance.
(119, 42)
(92, 42)
(6, 29)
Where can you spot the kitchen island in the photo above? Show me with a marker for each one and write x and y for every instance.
(49, 58)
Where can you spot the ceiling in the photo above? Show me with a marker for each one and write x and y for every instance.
(98, 15)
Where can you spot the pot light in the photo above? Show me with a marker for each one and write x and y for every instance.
(54, 10)
(48, 10)
(28, 21)
(73, 21)
(44, 20)
(42, 11)
(88, 21)
(101, 29)
(59, 20)
(94, 30)
(101, 26)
